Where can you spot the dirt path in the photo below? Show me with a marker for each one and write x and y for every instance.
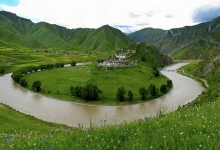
(206, 84)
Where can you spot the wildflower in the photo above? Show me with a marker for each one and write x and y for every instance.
(68, 132)
(7, 139)
(191, 114)
(181, 133)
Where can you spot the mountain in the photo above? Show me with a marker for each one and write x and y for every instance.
(190, 42)
(17, 32)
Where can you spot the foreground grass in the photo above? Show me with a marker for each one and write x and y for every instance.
(188, 128)
(108, 81)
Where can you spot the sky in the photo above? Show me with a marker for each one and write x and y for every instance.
(126, 15)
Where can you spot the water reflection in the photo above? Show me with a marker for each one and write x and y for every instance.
(69, 113)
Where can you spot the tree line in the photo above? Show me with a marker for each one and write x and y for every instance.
(89, 92)
(151, 91)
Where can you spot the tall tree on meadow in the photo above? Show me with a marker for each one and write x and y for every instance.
(73, 63)
(121, 94)
(143, 93)
(36, 86)
(152, 90)
(130, 95)
(163, 88)
(169, 83)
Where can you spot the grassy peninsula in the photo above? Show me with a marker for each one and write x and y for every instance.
(57, 82)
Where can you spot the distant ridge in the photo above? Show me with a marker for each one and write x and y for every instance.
(190, 42)
(17, 32)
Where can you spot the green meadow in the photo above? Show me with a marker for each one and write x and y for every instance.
(57, 82)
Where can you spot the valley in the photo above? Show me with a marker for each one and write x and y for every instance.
(184, 115)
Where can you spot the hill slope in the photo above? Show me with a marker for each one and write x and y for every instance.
(19, 32)
(150, 56)
(188, 42)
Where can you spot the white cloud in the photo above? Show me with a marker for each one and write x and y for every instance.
(135, 14)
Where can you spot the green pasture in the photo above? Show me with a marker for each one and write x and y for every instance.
(56, 82)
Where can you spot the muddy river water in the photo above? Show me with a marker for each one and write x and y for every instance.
(184, 90)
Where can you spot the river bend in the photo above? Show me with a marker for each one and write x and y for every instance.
(52, 110)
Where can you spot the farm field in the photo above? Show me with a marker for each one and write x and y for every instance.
(14, 58)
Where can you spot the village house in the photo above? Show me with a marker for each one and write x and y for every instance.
(115, 63)
(120, 55)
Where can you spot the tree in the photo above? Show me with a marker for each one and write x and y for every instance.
(16, 76)
(130, 95)
(23, 82)
(89, 92)
(72, 91)
(169, 83)
(73, 63)
(121, 94)
(163, 88)
(36, 86)
(156, 72)
(152, 90)
(2, 70)
(143, 93)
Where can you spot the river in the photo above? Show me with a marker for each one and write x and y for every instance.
(63, 112)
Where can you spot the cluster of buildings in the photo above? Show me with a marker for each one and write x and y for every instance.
(119, 60)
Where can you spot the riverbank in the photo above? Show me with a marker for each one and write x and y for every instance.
(186, 70)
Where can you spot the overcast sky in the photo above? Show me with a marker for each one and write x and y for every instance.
(126, 15)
